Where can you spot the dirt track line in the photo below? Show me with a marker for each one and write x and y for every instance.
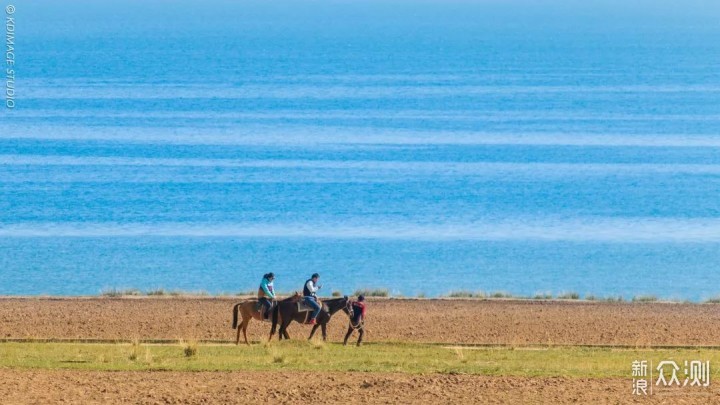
(106, 341)
(469, 346)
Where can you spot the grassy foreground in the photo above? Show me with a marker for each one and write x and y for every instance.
(377, 357)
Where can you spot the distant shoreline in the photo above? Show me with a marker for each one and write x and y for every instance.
(230, 297)
(457, 296)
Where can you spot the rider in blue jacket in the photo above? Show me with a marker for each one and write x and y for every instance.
(266, 293)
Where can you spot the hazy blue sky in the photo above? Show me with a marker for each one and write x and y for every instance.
(44, 15)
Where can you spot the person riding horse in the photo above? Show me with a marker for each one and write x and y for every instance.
(266, 293)
(309, 295)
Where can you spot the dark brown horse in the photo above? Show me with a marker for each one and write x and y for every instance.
(288, 312)
(248, 310)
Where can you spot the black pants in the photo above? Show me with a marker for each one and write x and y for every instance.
(266, 304)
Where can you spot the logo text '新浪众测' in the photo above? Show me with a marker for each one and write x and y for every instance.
(668, 373)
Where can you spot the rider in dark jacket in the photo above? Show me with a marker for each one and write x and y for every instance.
(309, 295)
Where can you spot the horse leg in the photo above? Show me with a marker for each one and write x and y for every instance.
(283, 330)
(272, 332)
(235, 316)
(236, 312)
(237, 339)
(347, 335)
(324, 331)
(312, 332)
(287, 336)
(361, 331)
(244, 325)
(274, 323)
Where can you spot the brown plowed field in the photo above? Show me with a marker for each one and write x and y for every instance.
(88, 387)
(409, 320)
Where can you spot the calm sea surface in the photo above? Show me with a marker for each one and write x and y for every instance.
(423, 147)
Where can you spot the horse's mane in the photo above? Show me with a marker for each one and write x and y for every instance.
(332, 301)
(295, 296)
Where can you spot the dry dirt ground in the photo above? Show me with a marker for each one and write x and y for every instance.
(43, 387)
(435, 321)
(447, 321)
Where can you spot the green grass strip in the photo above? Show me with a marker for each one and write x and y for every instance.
(315, 356)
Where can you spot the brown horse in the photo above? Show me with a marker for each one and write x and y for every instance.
(248, 311)
(288, 312)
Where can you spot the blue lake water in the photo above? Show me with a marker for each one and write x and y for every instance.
(423, 147)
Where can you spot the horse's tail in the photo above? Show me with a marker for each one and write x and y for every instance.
(275, 319)
(236, 309)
